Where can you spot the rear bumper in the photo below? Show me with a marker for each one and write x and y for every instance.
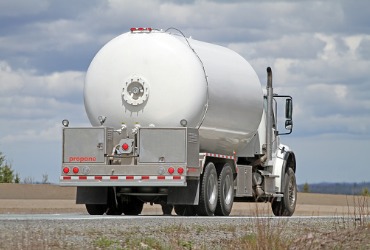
(124, 181)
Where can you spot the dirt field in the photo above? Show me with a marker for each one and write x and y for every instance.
(25, 198)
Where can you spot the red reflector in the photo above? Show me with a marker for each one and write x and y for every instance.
(125, 146)
(66, 177)
(171, 170)
(114, 177)
(82, 177)
(129, 177)
(177, 177)
(141, 29)
(180, 170)
(161, 177)
(76, 170)
(66, 170)
(145, 177)
(98, 177)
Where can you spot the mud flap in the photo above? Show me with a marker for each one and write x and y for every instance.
(188, 195)
(92, 195)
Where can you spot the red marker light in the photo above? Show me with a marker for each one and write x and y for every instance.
(141, 29)
(125, 146)
(76, 170)
(66, 170)
(180, 170)
(171, 170)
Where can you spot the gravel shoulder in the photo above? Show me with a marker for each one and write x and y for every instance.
(165, 232)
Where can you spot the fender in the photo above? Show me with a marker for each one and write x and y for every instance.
(285, 158)
(289, 162)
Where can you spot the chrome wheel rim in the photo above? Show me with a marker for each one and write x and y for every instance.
(212, 189)
(227, 190)
(291, 192)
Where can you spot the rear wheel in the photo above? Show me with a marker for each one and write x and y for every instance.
(208, 192)
(167, 209)
(133, 207)
(114, 203)
(225, 191)
(115, 209)
(96, 209)
(185, 210)
(286, 206)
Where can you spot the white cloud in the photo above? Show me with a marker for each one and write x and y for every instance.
(28, 135)
(28, 82)
(31, 104)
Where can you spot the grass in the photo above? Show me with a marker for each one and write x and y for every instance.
(104, 243)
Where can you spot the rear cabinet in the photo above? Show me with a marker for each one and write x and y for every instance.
(81, 145)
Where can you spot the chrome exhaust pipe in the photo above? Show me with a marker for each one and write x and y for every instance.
(269, 117)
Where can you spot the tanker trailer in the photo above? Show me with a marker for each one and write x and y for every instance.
(181, 123)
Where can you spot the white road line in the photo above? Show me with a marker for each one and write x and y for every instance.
(23, 217)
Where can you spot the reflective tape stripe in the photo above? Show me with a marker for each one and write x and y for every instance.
(219, 156)
(121, 177)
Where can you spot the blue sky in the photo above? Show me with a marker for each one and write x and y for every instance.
(319, 52)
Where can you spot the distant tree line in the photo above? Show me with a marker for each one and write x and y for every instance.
(336, 188)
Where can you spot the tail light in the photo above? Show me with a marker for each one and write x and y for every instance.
(180, 170)
(171, 170)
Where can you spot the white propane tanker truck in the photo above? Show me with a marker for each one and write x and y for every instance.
(180, 123)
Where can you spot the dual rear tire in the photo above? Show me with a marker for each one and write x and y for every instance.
(96, 209)
(216, 193)
(208, 191)
(225, 191)
(132, 208)
(116, 206)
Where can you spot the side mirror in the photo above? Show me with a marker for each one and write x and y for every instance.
(289, 125)
(288, 113)
(288, 109)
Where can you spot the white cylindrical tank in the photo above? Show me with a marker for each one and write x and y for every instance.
(154, 78)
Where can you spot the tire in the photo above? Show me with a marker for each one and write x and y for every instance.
(114, 203)
(133, 207)
(115, 210)
(167, 209)
(286, 206)
(96, 209)
(225, 191)
(208, 191)
(185, 210)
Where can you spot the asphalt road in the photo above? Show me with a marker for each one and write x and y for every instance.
(73, 216)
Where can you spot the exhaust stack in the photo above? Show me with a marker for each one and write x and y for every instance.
(270, 94)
